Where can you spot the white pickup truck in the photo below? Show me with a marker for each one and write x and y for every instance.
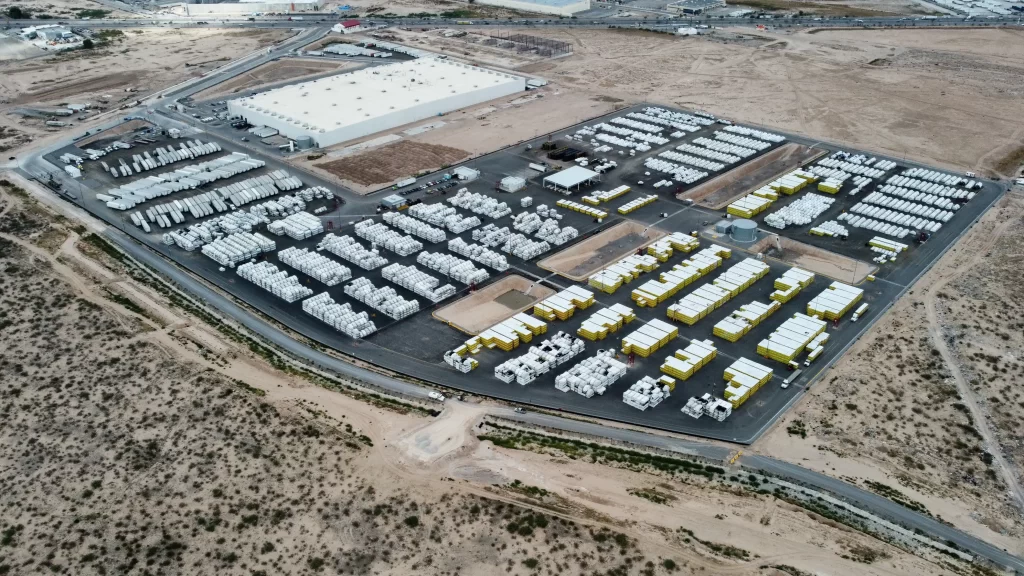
(436, 396)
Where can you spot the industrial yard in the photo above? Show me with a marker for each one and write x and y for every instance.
(835, 202)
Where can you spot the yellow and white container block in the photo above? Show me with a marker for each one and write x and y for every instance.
(790, 284)
(743, 378)
(655, 292)
(637, 203)
(648, 338)
(668, 381)
(710, 297)
(675, 242)
(790, 338)
(622, 272)
(685, 362)
(598, 196)
(563, 305)
(748, 206)
(581, 208)
(834, 301)
(792, 182)
(507, 334)
(743, 320)
(766, 192)
(605, 321)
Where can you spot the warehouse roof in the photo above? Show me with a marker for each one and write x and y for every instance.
(552, 2)
(330, 103)
(571, 177)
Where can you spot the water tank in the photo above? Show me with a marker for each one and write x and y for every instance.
(304, 142)
(744, 230)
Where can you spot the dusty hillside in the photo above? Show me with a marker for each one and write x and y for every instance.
(929, 402)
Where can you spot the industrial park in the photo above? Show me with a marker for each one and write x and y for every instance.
(576, 290)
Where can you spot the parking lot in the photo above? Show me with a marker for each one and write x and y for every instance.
(415, 345)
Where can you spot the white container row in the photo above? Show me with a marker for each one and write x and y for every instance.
(491, 235)
(679, 172)
(277, 282)
(646, 393)
(204, 232)
(930, 187)
(339, 316)
(935, 176)
(637, 203)
(479, 204)
(759, 134)
(801, 212)
(415, 227)
(621, 142)
(453, 267)
(299, 226)
(632, 135)
(653, 128)
(743, 141)
(708, 153)
(831, 228)
(725, 147)
(859, 182)
(419, 282)
(348, 248)
(385, 300)
(315, 265)
(478, 253)
(898, 204)
(825, 173)
(391, 240)
(704, 163)
(922, 197)
(522, 247)
(858, 221)
(592, 375)
(681, 128)
(186, 178)
(540, 359)
(680, 117)
(833, 162)
(894, 217)
(278, 207)
(234, 248)
(551, 233)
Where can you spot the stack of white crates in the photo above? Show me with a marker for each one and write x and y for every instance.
(592, 375)
(234, 248)
(391, 240)
(415, 227)
(453, 267)
(340, 316)
(299, 226)
(348, 248)
(479, 253)
(385, 299)
(411, 278)
(277, 282)
(479, 204)
(315, 265)
(540, 359)
(646, 393)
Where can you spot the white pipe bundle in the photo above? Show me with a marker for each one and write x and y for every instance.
(759, 134)
(551, 233)
(540, 359)
(858, 221)
(630, 134)
(527, 222)
(708, 153)
(751, 143)
(929, 187)
(900, 205)
(680, 173)
(478, 253)
(592, 375)
(453, 267)
(384, 300)
(391, 240)
(896, 218)
(315, 265)
(617, 141)
(522, 247)
(830, 228)
(851, 167)
(234, 248)
(681, 117)
(491, 235)
(411, 278)
(725, 147)
(800, 213)
(646, 393)
(916, 196)
(348, 248)
(682, 127)
(935, 176)
(692, 160)
(415, 227)
(479, 204)
(637, 125)
(277, 282)
(299, 226)
(339, 316)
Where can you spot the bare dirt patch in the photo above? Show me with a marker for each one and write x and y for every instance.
(498, 301)
(389, 163)
(723, 190)
(580, 260)
(814, 259)
(271, 72)
(119, 130)
(1011, 163)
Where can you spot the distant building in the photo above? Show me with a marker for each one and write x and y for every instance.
(694, 7)
(239, 8)
(347, 27)
(556, 7)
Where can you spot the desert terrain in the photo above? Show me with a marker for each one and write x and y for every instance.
(949, 98)
(44, 10)
(143, 61)
(928, 402)
(140, 438)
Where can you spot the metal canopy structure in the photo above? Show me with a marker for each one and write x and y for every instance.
(571, 179)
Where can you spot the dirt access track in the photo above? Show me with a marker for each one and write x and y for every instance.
(719, 192)
(497, 302)
(814, 259)
(273, 72)
(366, 172)
(582, 260)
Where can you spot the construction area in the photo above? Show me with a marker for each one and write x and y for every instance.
(609, 293)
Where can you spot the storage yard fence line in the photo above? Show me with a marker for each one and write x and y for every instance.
(527, 43)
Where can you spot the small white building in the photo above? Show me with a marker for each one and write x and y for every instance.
(347, 106)
(556, 7)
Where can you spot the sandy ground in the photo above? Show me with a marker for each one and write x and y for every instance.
(929, 402)
(475, 313)
(61, 9)
(582, 260)
(814, 259)
(272, 72)
(190, 450)
(144, 60)
(368, 171)
(723, 190)
(944, 97)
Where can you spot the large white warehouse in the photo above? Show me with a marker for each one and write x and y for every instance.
(347, 106)
(558, 7)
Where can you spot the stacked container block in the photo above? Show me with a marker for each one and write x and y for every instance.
(677, 241)
(743, 320)
(508, 334)
(648, 392)
(622, 272)
(581, 208)
(540, 359)
(592, 375)
(686, 362)
(744, 378)
(790, 338)
(648, 338)
(710, 297)
(562, 305)
(654, 292)
(834, 301)
(790, 284)
(605, 321)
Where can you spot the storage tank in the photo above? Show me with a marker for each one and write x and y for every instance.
(305, 142)
(723, 227)
(744, 230)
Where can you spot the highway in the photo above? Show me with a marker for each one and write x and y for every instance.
(271, 334)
